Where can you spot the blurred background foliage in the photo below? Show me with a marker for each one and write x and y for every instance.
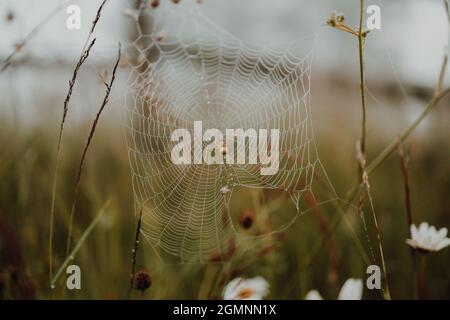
(310, 254)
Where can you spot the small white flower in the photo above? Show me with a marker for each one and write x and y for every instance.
(427, 239)
(351, 290)
(313, 295)
(246, 289)
(225, 190)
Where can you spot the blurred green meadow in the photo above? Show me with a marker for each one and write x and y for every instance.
(310, 254)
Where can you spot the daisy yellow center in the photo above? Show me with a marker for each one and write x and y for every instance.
(245, 293)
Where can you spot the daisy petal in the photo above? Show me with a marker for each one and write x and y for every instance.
(444, 243)
(351, 290)
(313, 295)
(414, 232)
(230, 290)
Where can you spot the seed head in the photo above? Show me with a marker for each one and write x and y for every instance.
(335, 19)
(10, 16)
(218, 256)
(142, 280)
(154, 3)
(246, 219)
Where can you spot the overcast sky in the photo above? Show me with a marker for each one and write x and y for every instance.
(412, 36)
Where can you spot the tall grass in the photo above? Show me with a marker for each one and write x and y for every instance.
(84, 56)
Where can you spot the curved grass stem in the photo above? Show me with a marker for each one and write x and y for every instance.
(80, 242)
(387, 151)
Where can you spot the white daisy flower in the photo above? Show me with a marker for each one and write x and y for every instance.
(351, 290)
(427, 239)
(246, 289)
(313, 295)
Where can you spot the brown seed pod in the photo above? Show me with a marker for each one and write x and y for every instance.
(218, 256)
(142, 280)
(10, 16)
(154, 3)
(247, 218)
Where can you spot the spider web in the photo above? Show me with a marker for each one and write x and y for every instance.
(188, 69)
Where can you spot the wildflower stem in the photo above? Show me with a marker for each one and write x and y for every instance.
(421, 277)
(365, 180)
(362, 77)
(361, 38)
(366, 170)
(409, 215)
(380, 245)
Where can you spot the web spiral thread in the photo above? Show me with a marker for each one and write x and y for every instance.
(188, 69)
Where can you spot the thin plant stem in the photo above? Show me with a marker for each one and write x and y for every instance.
(84, 55)
(86, 148)
(338, 22)
(421, 277)
(208, 281)
(384, 154)
(408, 209)
(437, 97)
(439, 93)
(387, 151)
(443, 70)
(202, 291)
(333, 227)
(365, 179)
(216, 279)
(362, 84)
(364, 176)
(134, 251)
(324, 227)
(80, 242)
(380, 245)
(442, 73)
(83, 58)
